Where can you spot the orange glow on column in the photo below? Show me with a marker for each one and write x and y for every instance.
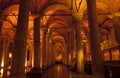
(2, 65)
(41, 62)
(1, 72)
(10, 55)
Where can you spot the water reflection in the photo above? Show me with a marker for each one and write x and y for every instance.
(57, 71)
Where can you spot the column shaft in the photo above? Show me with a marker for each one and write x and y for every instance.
(97, 57)
(44, 49)
(52, 54)
(117, 29)
(5, 55)
(47, 50)
(36, 43)
(18, 59)
(70, 47)
(79, 48)
(0, 43)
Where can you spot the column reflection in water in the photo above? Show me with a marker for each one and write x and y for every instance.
(57, 71)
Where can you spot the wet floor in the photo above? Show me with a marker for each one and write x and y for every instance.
(59, 71)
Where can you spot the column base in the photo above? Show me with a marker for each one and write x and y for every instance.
(34, 71)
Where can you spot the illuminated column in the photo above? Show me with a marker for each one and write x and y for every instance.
(52, 54)
(29, 57)
(44, 60)
(69, 48)
(72, 48)
(65, 55)
(0, 43)
(68, 53)
(47, 50)
(117, 29)
(79, 48)
(19, 54)
(97, 57)
(5, 55)
(36, 68)
(32, 56)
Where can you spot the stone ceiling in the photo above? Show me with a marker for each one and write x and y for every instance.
(106, 9)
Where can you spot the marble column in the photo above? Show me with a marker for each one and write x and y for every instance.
(70, 47)
(36, 43)
(47, 50)
(20, 42)
(79, 48)
(52, 54)
(65, 54)
(44, 57)
(36, 35)
(116, 21)
(1, 27)
(6, 56)
(0, 44)
(95, 48)
(32, 55)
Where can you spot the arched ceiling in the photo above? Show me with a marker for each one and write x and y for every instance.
(106, 10)
(61, 14)
(106, 5)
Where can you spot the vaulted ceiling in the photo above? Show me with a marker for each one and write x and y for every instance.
(58, 14)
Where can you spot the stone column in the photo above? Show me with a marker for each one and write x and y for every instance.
(47, 50)
(68, 58)
(6, 56)
(67, 54)
(32, 55)
(95, 48)
(36, 68)
(0, 44)
(79, 48)
(19, 54)
(116, 21)
(52, 54)
(70, 46)
(36, 43)
(0, 27)
(44, 59)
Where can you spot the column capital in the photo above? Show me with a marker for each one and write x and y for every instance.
(44, 29)
(48, 35)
